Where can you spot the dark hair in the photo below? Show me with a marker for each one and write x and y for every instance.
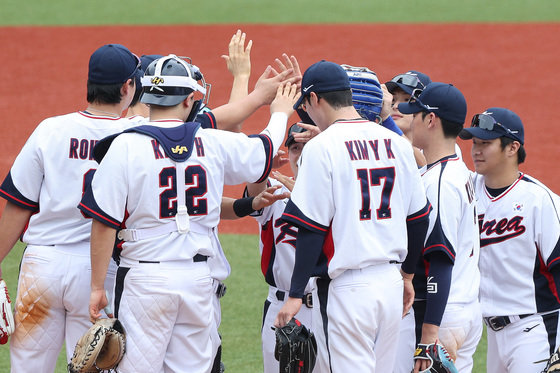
(336, 99)
(137, 95)
(105, 93)
(450, 129)
(521, 154)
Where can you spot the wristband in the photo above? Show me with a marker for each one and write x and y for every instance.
(243, 206)
(390, 124)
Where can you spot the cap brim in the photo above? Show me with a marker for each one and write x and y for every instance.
(479, 133)
(298, 102)
(289, 141)
(391, 86)
(410, 108)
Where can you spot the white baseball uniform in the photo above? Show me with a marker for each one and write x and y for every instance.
(519, 253)
(48, 177)
(453, 231)
(358, 184)
(164, 279)
(277, 248)
(219, 265)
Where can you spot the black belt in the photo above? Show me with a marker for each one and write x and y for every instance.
(197, 258)
(307, 299)
(499, 322)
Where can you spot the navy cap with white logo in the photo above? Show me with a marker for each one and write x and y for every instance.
(323, 76)
(444, 100)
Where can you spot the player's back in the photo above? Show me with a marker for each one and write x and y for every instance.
(52, 170)
(375, 186)
(146, 187)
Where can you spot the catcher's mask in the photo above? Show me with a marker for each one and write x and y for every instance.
(170, 80)
(367, 95)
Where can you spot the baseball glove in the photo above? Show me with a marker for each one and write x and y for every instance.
(553, 363)
(6, 316)
(296, 348)
(367, 95)
(440, 362)
(101, 348)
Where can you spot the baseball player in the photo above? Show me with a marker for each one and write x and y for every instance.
(43, 187)
(277, 249)
(447, 279)
(164, 182)
(519, 225)
(357, 195)
(400, 89)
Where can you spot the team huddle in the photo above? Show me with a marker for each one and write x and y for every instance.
(383, 243)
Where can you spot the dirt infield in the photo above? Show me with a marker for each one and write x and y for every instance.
(511, 65)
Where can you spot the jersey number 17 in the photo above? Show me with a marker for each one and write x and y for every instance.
(373, 177)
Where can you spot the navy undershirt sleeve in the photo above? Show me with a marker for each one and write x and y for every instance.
(416, 232)
(309, 245)
(441, 268)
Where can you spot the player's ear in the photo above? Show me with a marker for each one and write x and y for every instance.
(189, 100)
(512, 148)
(127, 86)
(431, 117)
(313, 98)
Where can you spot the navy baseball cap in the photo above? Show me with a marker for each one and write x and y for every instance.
(323, 76)
(113, 64)
(493, 123)
(145, 60)
(442, 99)
(408, 82)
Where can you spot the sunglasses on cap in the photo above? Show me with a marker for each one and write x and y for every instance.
(138, 66)
(414, 99)
(409, 80)
(487, 122)
(295, 129)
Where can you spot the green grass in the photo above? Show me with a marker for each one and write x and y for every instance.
(149, 12)
(242, 308)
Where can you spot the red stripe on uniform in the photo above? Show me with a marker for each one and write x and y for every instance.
(304, 222)
(544, 271)
(421, 215)
(507, 191)
(99, 215)
(328, 246)
(214, 126)
(267, 239)
(550, 264)
(19, 200)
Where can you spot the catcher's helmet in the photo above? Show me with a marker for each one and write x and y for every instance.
(367, 95)
(169, 80)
